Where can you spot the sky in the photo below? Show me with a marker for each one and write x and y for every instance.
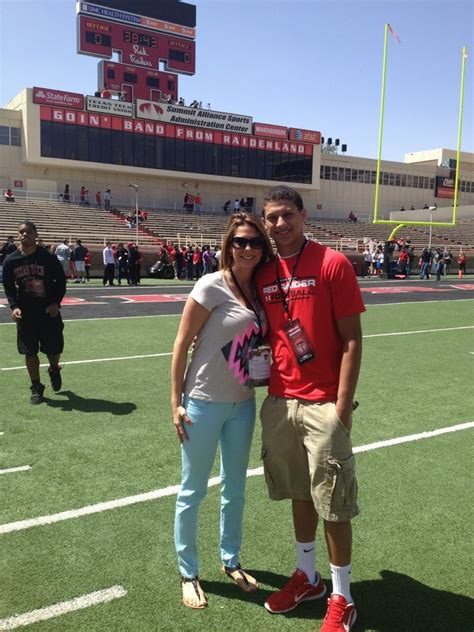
(309, 64)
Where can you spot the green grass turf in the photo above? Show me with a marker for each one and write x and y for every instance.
(110, 435)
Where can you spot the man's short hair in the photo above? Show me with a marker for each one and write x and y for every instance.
(283, 192)
(30, 224)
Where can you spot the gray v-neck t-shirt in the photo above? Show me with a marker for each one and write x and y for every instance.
(218, 370)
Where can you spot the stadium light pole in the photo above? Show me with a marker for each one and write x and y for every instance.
(135, 186)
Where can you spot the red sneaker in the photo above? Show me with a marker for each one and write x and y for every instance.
(340, 615)
(298, 589)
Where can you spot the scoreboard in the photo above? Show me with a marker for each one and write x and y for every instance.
(136, 46)
(137, 83)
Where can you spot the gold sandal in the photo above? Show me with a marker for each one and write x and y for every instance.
(193, 594)
(244, 581)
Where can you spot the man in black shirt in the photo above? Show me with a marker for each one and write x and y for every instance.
(35, 285)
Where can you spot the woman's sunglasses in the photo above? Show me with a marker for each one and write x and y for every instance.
(257, 243)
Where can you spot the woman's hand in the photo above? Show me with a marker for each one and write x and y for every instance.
(180, 418)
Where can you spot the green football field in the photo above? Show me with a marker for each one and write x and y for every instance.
(94, 509)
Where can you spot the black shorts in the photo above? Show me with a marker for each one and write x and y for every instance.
(37, 331)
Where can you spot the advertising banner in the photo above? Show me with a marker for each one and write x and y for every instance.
(270, 131)
(109, 106)
(196, 117)
(154, 128)
(46, 96)
(444, 187)
(305, 135)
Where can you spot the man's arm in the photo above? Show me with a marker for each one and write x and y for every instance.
(11, 290)
(350, 333)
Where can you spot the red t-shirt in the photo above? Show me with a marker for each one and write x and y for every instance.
(324, 289)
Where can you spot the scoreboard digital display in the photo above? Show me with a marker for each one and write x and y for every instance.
(137, 46)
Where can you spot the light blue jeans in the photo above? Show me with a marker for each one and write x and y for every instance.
(231, 425)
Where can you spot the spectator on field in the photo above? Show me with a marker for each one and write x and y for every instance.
(403, 208)
(411, 258)
(134, 264)
(66, 193)
(98, 200)
(352, 217)
(378, 261)
(236, 205)
(108, 259)
(9, 196)
(197, 263)
(87, 265)
(121, 258)
(82, 196)
(207, 260)
(403, 260)
(412, 208)
(217, 258)
(426, 206)
(7, 248)
(79, 263)
(72, 266)
(438, 259)
(188, 256)
(367, 267)
(462, 264)
(107, 199)
(426, 258)
(178, 262)
(63, 253)
(448, 258)
(226, 207)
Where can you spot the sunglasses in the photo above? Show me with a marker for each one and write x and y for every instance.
(257, 243)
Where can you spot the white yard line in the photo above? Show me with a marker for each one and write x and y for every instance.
(168, 353)
(135, 357)
(12, 470)
(57, 609)
(88, 510)
(419, 331)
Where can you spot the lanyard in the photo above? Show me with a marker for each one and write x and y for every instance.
(284, 295)
(247, 302)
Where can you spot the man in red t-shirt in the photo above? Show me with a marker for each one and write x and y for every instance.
(313, 305)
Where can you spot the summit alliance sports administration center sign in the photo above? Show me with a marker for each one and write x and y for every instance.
(194, 117)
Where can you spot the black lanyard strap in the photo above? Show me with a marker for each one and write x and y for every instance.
(284, 295)
(247, 302)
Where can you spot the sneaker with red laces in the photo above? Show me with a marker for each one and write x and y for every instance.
(340, 615)
(298, 589)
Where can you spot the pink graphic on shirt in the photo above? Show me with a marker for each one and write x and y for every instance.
(237, 352)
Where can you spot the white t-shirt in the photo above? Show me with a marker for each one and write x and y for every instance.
(218, 370)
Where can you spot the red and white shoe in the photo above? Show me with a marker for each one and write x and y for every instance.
(340, 615)
(298, 589)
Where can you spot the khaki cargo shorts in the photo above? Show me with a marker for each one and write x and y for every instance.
(307, 455)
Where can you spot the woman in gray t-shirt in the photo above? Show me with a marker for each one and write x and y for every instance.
(212, 402)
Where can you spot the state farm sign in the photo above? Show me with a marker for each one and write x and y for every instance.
(46, 96)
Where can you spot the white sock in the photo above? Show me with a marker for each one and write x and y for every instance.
(341, 581)
(306, 553)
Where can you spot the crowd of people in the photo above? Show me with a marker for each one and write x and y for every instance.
(121, 263)
(189, 262)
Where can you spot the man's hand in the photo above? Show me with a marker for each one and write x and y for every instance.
(345, 415)
(52, 310)
(16, 314)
